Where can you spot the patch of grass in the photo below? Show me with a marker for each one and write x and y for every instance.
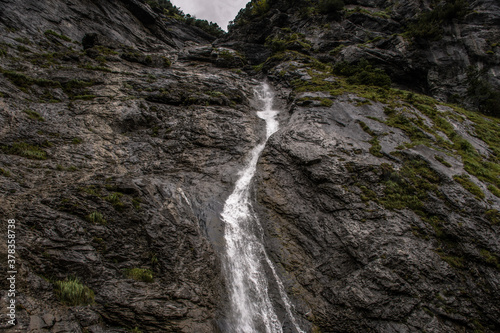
(376, 148)
(291, 41)
(442, 161)
(493, 216)
(115, 199)
(135, 330)
(490, 258)
(466, 183)
(23, 81)
(494, 190)
(97, 218)
(22, 48)
(409, 187)
(357, 9)
(453, 261)
(105, 50)
(4, 172)
(55, 34)
(92, 190)
(72, 292)
(140, 274)
(365, 128)
(326, 102)
(136, 202)
(76, 141)
(363, 73)
(34, 115)
(25, 150)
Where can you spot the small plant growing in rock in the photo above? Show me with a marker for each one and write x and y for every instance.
(466, 183)
(25, 150)
(96, 217)
(34, 115)
(442, 161)
(72, 292)
(55, 34)
(139, 274)
(493, 216)
(4, 172)
(135, 330)
(493, 189)
(115, 199)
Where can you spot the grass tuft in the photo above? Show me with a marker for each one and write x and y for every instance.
(72, 292)
(140, 274)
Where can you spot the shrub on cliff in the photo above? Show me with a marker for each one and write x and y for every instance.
(429, 24)
(363, 73)
(72, 292)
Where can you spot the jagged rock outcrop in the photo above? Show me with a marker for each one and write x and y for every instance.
(435, 56)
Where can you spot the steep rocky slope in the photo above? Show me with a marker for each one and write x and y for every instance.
(114, 163)
(123, 131)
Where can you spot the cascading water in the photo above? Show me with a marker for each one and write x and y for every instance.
(251, 309)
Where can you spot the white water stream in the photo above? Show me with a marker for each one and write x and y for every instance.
(251, 309)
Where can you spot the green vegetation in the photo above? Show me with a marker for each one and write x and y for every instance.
(376, 148)
(96, 217)
(363, 73)
(429, 25)
(484, 96)
(166, 62)
(115, 199)
(166, 7)
(494, 190)
(282, 42)
(381, 14)
(75, 89)
(493, 216)
(4, 172)
(259, 7)
(139, 274)
(34, 115)
(135, 330)
(490, 258)
(453, 261)
(409, 187)
(76, 141)
(72, 292)
(23, 81)
(442, 161)
(25, 150)
(466, 183)
(55, 34)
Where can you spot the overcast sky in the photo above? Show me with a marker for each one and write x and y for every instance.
(218, 11)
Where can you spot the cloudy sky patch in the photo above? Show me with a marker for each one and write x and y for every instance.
(218, 11)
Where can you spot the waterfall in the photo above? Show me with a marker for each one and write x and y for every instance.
(251, 309)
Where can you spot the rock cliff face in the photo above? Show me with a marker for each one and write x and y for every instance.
(123, 131)
(435, 47)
